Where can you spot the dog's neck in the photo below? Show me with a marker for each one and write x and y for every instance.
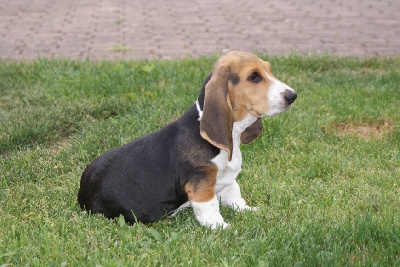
(238, 126)
(202, 95)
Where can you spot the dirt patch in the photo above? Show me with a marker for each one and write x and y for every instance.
(59, 146)
(365, 131)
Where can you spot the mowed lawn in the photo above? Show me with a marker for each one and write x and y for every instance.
(325, 174)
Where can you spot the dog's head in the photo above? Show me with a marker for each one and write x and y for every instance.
(241, 85)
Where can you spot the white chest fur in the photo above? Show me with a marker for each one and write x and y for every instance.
(228, 170)
(227, 189)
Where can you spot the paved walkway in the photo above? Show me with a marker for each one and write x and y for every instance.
(123, 29)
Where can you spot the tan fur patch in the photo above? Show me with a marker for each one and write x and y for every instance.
(203, 190)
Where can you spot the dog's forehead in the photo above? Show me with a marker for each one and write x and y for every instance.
(239, 57)
(241, 61)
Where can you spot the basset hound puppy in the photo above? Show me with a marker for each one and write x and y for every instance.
(193, 161)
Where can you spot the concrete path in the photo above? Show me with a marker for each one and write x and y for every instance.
(123, 29)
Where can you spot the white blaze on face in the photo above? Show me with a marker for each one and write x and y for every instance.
(276, 96)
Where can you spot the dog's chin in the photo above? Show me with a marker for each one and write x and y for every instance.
(287, 107)
(276, 110)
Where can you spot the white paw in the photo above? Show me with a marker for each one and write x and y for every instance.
(249, 208)
(255, 208)
(207, 213)
(218, 225)
(245, 208)
(242, 206)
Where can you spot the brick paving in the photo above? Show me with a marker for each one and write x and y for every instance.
(123, 29)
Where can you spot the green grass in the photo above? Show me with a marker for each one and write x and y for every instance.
(325, 174)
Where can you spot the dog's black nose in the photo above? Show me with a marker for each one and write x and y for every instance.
(290, 96)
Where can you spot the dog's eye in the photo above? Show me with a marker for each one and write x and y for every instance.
(254, 77)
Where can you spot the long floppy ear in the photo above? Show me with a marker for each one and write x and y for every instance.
(252, 132)
(217, 121)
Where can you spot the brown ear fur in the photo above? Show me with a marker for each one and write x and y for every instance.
(252, 132)
(217, 121)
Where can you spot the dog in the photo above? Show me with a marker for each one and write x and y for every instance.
(193, 161)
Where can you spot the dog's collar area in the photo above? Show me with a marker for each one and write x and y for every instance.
(199, 111)
(240, 126)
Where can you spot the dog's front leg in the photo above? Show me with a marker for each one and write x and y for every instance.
(201, 193)
(207, 213)
(231, 196)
